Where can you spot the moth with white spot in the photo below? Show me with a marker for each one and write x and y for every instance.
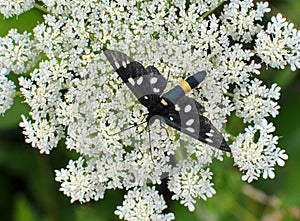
(174, 107)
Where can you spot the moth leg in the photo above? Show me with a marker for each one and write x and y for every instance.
(162, 126)
(149, 138)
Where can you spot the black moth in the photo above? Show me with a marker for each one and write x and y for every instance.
(173, 107)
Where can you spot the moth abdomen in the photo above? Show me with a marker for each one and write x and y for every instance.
(184, 87)
(196, 79)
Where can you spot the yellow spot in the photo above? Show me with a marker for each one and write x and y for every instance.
(164, 102)
(185, 86)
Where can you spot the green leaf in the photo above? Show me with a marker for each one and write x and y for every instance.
(12, 117)
(23, 210)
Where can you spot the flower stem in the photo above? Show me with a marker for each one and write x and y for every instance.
(41, 7)
(229, 94)
(231, 137)
(210, 11)
(19, 93)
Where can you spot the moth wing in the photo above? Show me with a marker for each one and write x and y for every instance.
(145, 83)
(186, 116)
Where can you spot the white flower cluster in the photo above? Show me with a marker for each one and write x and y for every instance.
(42, 92)
(254, 101)
(74, 93)
(279, 44)
(17, 52)
(143, 203)
(189, 182)
(7, 91)
(258, 157)
(240, 19)
(78, 182)
(15, 7)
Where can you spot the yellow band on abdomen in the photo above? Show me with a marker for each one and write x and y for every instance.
(185, 86)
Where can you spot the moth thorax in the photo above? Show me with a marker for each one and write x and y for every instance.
(153, 118)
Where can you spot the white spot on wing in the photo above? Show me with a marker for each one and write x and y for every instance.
(189, 122)
(146, 97)
(171, 118)
(116, 63)
(140, 80)
(153, 80)
(124, 64)
(209, 134)
(177, 108)
(131, 81)
(208, 140)
(187, 108)
(156, 90)
(190, 129)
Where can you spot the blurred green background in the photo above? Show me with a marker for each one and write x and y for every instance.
(28, 190)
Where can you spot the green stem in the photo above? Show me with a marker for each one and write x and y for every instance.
(210, 11)
(229, 94)
(42, 8)
(18, 93)
(231, 137)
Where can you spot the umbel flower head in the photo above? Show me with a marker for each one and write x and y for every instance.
(74, 93)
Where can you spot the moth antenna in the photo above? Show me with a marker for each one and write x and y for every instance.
(168, 76)
(128, 128)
